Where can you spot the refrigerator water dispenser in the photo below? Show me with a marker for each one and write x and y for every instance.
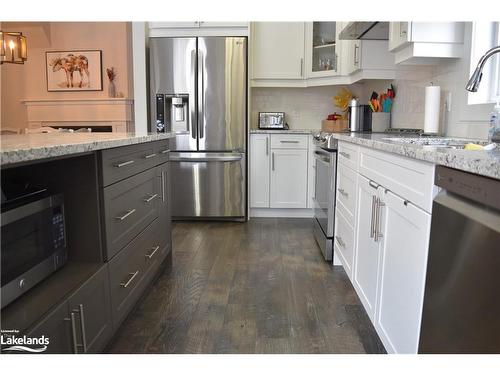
(172, 113)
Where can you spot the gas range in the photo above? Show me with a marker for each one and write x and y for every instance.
(325, 140)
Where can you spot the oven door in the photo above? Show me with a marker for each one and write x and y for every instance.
(324, 190)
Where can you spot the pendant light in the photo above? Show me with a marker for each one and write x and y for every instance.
(13, 48)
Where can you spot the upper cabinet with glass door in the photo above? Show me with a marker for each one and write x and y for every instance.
(321, 48)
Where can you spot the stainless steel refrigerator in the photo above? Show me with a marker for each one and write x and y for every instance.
(198, 90)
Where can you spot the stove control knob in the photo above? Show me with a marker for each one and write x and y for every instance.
(22, 283)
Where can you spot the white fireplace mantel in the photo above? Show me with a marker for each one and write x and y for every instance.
(114, 112)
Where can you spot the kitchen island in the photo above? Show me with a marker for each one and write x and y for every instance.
(115, 188)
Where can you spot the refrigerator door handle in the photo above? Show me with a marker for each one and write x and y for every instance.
(201, 93)
(192, 96)
(194, 158)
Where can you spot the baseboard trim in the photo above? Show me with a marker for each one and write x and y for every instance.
(282, 212)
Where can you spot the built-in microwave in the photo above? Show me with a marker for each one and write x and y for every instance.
(33, 243)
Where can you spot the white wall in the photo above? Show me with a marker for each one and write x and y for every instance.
(139, 73)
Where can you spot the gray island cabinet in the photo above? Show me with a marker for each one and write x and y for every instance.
(117, 215)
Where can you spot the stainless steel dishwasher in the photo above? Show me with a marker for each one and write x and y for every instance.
(461, 312)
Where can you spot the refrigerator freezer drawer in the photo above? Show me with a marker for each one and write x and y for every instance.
(208, 185)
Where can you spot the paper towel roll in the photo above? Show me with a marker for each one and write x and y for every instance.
(432, 103)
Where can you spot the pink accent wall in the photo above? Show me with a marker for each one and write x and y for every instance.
(28, 81)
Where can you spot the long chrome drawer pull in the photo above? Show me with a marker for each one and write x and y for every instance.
(289, 141)
(165, 151)
(124, 163)
(343, 192)
(82, 326)
(129, 212)
(153, 253)
(150, 156)
(372, 221)
(163, 186)
(132, 277)
(73, 333)
(147, 200)
(373, 184)
(339, 240)
(378, 235)
(345, 154)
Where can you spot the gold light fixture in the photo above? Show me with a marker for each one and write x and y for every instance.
(13, 48)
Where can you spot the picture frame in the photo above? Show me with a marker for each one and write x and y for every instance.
(74, 70)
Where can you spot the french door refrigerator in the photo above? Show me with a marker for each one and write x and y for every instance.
(198, 91)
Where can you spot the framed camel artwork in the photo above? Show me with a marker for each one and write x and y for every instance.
(79, 70)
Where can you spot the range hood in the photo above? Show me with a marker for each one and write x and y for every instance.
(365, 30)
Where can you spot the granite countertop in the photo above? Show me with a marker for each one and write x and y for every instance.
(287, 131)
(18, 148)
(485, 163)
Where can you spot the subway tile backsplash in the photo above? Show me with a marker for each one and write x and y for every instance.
(304, 107)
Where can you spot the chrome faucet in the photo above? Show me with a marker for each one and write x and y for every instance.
(475, 78)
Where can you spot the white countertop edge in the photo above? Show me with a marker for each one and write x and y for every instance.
(26, 154)
(485, 163)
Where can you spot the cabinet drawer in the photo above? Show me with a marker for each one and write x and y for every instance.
(346, 191)
(162, 149)
(344, 242)
(289, 141)
(122, 162)
(348, 155)
(129, 206)
(411, 179)
(92, 307)
(128, 271)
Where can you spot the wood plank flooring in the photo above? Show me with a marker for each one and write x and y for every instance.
(256, 287)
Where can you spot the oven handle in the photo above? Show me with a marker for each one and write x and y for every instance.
(322, 157)
(30, 209)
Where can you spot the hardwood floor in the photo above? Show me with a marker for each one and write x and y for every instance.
(256, 287)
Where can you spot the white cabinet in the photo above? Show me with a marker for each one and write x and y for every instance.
(277, 50)
(425, 42)
(344, 242)
(173, 25)
(221, 24)
(298, 54)
(195, 24)
(279, 173)
(321, 55)
(367, 253)
(398, 35)
(345, 208)
(388, 260)
(259, 170)
(370, 56)
(405, 229)
(288, 178)
(197, 28)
